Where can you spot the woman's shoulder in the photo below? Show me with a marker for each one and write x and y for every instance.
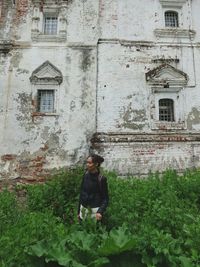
(102, 177)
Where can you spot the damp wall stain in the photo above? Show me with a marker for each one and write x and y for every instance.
(193, 118)
(24, 110)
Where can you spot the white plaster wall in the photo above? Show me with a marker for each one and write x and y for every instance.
(123, 92)
(82, 21)
(66, 133)
(109, 47)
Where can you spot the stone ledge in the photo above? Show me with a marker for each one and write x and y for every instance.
(48, 38)
(143, 137)
(172, 3)
(175, 32)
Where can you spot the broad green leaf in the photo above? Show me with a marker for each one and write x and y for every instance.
(38, 249)
(99, 262)
(118, 241)
(185, 262)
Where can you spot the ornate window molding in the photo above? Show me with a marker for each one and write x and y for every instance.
(182, 30)
(173, 3)
(45, 81)
(167, 82)
(47, 73)
(166, 76)
(38, 20)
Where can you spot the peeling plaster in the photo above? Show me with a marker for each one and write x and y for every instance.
(85, 65)
(24, 109)
(132, 118)
(15, 59)
(193, 118)
(93, 29)
(86, 60)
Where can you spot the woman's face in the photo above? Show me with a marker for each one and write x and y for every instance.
(91, 167)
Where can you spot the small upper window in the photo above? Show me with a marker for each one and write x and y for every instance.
(46, 101)
(171, 19)
(50, 24)
(166, 109)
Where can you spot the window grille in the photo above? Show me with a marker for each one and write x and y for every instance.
(46, 101)
(50, 25)
(166, 109)
(171, 19)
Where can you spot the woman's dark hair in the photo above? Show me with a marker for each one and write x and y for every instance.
(96, 159)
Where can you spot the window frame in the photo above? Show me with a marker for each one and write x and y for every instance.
(50, 15)
(177, 95)
(45, 87)
(168, 107)
(174, 12)
(38, 24)
(39, 98)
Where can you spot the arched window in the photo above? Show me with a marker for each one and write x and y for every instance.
(166, 109)
(171, 19)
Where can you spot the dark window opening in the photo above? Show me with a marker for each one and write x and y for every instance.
(171, 19)
(166, 109)
(46, 101)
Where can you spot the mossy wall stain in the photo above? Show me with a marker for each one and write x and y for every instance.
(86, 63)
(16, 58)
(24, 109)
(86, 59)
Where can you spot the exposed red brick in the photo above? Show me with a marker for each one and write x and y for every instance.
(39, 158)
(34, 102)
(7, 157)
(22, 8)
(44, 148)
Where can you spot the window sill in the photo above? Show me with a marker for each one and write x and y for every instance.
(168, 125)
(39, 37)
(175, 32)
(44, 114)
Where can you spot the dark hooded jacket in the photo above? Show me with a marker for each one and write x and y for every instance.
(94, 192)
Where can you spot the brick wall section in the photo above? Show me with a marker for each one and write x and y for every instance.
(8, 157)
(4, 6)
(21, 9)
(32, 169)
(24, 170)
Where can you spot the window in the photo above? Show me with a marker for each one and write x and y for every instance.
(50, 24)
(46, 101)
(166, 109)
(171, 19)
(167, 97)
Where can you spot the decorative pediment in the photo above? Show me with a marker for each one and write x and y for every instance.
(172, 3)
(166, 75)
(47, 73)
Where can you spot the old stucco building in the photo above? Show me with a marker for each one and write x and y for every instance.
(119, 77)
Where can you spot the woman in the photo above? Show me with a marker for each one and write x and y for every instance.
(94, 190)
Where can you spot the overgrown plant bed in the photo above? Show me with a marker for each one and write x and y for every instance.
(153, 222)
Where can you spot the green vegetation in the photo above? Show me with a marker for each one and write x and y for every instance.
(152, 222)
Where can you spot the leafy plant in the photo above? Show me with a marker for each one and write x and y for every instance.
(152, 222)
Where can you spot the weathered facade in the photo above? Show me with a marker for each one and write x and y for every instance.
(117, 77)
